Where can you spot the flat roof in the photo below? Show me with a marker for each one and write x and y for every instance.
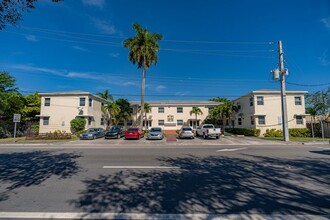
(271, 92)
(72, 93)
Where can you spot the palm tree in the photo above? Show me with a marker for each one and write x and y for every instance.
(196, 111)
(105, 95)
(223, 111)
(147, 109)
(113, 109)
(125, 110)
(143, 51)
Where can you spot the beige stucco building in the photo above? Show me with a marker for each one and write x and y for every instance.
(59, 108)
(172, 115)
(262, 110)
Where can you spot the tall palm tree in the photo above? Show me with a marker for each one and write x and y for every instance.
(223, 111)
(147, 109)
(105, 95)
(196, 111)
(143, 51)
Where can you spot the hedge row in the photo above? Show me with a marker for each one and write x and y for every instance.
(244, 131)
(293, 132)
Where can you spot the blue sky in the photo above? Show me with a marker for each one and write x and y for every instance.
(211, 48)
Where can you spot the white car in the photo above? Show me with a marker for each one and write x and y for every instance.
(208, 130)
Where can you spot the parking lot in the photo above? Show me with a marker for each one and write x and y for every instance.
(227, 140)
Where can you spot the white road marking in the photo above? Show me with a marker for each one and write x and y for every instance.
(232, 149)
(145, 216)
(139, 167)
(326, 148)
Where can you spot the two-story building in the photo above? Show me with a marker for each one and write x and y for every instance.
(262, 110)
(59, 108)
(172, 115)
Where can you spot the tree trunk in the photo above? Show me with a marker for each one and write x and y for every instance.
(195, 120)
(142, 96)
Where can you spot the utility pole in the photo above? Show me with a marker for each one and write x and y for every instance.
(283, 72)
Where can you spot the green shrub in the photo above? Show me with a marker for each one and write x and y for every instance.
(244, 131)
(78, 124)
(299, 132)
(273, 133)
(35, 129)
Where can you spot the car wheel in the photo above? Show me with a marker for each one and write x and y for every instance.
(94, 137)
(118, 136)
(217, 137)
(196, 134)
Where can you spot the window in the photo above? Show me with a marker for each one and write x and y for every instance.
(260, 100)
(160, 109)
(90, 101)
(102, 104)
(299, 120)
(238, 105)
(160, 122)
(251, 101)
(239, 121)
(179, 122)
(89, 121)
(179, 110)
(46, 121)
(261, 120)
(47, 101)
(82, 101)
(102, 121)
(252, 120)
(129, 122)
(170, 118)
(297, 100)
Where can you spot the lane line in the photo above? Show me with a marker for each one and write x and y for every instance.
(231, 149)
(139, 167)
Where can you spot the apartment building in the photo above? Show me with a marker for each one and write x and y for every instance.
(262, 110)
(59, 108)
(172, 115)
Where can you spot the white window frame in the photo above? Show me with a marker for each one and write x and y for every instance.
(260, 102)
(263, 120)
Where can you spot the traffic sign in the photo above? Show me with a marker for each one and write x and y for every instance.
(17, 118)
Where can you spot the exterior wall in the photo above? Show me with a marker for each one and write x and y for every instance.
(171, 110)
(64, 108)
(271, 109)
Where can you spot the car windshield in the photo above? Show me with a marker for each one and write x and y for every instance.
(155, 130)
(208, 126)
(114, 129)
(186, 129)
(92, 130)
(132, 129)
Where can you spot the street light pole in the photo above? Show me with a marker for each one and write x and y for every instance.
(282, 72)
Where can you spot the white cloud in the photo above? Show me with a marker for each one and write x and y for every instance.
(324, 61)
(31, 38)
(129, 83)
(80, 48)
(160, 88)
(326, 22)
(115, 55)
(105, 27)
(95, 3)
(38, 69)
(182, 93)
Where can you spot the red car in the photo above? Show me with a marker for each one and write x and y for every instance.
(133, 133)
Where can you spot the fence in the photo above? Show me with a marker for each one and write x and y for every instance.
(318, 129)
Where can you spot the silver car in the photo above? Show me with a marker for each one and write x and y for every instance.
(155, 134)
(186, 132)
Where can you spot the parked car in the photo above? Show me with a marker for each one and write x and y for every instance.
(134, 133)
(92, 133)
(186, 132)
(115, 132)
(208, 130)
(155, 133)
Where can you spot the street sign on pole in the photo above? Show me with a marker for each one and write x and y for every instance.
(16, 118)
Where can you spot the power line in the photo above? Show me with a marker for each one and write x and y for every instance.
(307, 85)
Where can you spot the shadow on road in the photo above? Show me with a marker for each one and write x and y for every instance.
(218, 185)
(32, 168)
(325, 152)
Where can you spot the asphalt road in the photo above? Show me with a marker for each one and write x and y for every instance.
(169, 182)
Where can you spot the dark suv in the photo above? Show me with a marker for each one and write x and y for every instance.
(115, 132)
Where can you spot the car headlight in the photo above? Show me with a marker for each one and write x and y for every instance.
(90, 135)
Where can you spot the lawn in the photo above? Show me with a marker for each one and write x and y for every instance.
(23, 140)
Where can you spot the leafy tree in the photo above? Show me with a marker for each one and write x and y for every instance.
(125, 111)
(113, 109)
(196, 111)
(318, 103)
(78, 124)
(7, 82)
(143, 52)
(11, 11)
(31, 107)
